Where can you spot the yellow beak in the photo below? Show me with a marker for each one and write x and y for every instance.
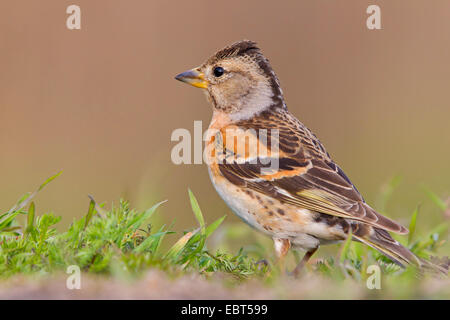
(193, 77)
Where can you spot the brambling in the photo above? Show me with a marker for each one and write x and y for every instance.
(305, 200)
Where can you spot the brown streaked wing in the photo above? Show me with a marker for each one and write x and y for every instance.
(321, 188)
(295, 140)
(307, 177)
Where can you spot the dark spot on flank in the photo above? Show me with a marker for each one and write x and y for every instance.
(329, 220)
(250, 194)
(280, 211)
(270, 213)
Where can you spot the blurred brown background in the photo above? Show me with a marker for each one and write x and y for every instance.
(101, 102)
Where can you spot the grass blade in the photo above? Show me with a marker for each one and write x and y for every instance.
(412, 225)
(436, 199)
(198, 214)
(175, 250)
(138, 220)
(209, 229)
(213, 226)
(196, 209)
(152, 242)
(30, 218)
(90, 213)
(345, 247)
(46, 182)
(23, 202)
(101, 212)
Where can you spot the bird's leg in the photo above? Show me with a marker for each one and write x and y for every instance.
(282, 247)
(304, 261)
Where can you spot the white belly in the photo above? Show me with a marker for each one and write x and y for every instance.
(236, 204)
(300, 229)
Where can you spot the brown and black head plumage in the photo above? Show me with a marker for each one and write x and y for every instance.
(239, 81)
(248, 50)
(247, 76)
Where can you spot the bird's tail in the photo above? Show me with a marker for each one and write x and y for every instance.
(382, 241)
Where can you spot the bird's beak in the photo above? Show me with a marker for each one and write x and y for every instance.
(194, 77)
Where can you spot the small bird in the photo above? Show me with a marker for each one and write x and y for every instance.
(305, 200)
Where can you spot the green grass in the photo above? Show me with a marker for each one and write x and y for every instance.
(110, 241)
(120, 242)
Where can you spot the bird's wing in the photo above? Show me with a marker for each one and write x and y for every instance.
(306, 177)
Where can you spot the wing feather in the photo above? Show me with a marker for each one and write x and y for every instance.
(307, 177)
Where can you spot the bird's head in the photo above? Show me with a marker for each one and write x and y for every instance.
(238, 80)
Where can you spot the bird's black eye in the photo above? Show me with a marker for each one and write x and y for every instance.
(218, 71)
